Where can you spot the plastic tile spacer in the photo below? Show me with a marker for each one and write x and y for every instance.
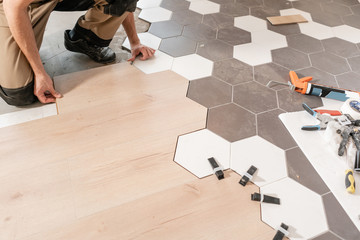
(248, 175)
(265, 198)
(218, 171)
(281, 232)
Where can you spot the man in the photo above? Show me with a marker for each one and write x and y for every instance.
(22, 25)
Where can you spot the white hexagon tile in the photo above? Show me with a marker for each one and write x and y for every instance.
(147, 39)
(250, 23)
(204, 7)
(159, 62)
(193, 66)
(300, 208)
(252, 54)
(155, 14)
(194, 149)
(142, 4)
(266, 157)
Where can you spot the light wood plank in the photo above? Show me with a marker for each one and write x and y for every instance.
(289, 19)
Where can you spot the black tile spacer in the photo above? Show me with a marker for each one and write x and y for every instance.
(281, 232)
(265, 198)
(248, 175)
(217, 169)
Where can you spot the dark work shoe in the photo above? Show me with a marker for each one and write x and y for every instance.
(96, 53)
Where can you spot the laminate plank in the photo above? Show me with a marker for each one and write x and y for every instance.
(289, 19)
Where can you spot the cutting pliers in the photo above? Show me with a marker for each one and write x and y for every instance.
(324, 119)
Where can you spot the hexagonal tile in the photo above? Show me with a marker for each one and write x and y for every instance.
(231, 122)
(194, 149)
(338, 220)
(252, 54)
(347, 33)
(186, 17)
(270, 72)
(329, 62)
(233, 35)
(316, 30)
(355, 64)
(210, 92)
(204, 7)
(352, 20)
(326, 236)
(291, 101)
(156, 14)
(341, 47)
(277, 4)
(356, 9)
(250, 23)
(233, 71)
(263, 13)
(166, 29)
(328, 19)
(175, 5)
(251, 96)
(297, 204)
(308, 6)
(145, 38)
(319, 76)
(349, 80)
(192, 66)
(290, 58)
(142, 4)
(304, 43)
(218, 20)
(270, 161)
(269, 39)
(158, 63)
(171, 46)
(199, 32)
(336, 8)
(300, 170)
(234, 9)
(250, 3)
(347, 2)
(271, 129)
(294, 11)
(215, 50)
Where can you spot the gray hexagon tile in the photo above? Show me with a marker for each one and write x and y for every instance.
(290, 58)
(349, 80)
(171, 46)
(354, 64)
(277, 4)
(352, 20)
(291, 101)
(241, 159)
(218, 20)
(341, 47)
(233, 71)
(175, 5)
(355, 9)
(304, 43)
(234, 9)
(330, 63)
(166, 29)
(250, 3)
(327, 19)
(319, 76)
(233, 35)
(251, 96)
(300, 169)
(271, 72)
(199, 32)
(347, 2)
(338, 221)
(271, 129)
(210, 92)
(307, 6)
(336, 8)
(186, 17)
(215, 50)
(263, 13)
(327, 236)
(231, 122)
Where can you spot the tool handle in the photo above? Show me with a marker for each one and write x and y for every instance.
(349, 181)
(309, 110)
(332, 92)
(331, 112)
(311, 128)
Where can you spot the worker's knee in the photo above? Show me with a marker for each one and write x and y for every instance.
(19, 96)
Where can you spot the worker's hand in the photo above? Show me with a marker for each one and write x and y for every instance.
(44, 89)
(144, 51)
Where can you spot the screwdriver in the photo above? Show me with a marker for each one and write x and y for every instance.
(350, 181)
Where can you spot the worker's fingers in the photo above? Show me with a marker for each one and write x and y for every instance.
(54, 93)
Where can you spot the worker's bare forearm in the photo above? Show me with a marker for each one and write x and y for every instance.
(130, 29)
(21, 29)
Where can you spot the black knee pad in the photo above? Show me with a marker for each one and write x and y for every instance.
(19, 96)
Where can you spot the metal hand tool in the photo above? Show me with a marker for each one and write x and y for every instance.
(324, 119)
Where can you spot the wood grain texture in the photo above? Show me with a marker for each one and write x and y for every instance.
(103, 168)
(289, 19)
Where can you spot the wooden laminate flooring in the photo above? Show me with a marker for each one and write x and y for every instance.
(103, 167)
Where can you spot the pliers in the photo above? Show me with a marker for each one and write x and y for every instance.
(324, 119)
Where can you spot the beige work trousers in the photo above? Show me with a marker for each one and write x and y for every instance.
(17, 78)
